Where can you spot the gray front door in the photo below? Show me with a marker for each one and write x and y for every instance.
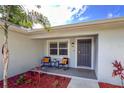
(84, 52)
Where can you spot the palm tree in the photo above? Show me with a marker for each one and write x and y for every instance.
(18, 15)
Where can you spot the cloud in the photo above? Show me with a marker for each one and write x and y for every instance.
(78, 13)
(78, 10)
(59, 14)
(111, 15)
(56, 14)
(82, 10)
(83, 18)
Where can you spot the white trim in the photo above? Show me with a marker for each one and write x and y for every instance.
(92, 54)
(58, 40)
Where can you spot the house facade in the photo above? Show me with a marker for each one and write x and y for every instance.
(90, 45)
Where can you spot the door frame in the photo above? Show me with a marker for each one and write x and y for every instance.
(92, 53)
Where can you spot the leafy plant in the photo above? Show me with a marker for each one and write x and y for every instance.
(118, 71)
(55, 83)
(17, 15)
(28, 81)
(20, 80)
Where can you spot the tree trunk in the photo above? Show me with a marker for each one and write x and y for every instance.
(5, 53)
(122, 82)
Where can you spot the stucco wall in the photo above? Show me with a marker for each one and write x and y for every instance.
(110, 47)
(24, 53)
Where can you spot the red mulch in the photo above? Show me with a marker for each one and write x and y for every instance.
(36, 80)
(106, 85)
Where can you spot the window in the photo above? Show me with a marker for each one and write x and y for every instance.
(58, 48)
(63, 48)
(53, 48)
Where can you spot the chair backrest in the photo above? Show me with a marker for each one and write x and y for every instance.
(65, 61)
(46, 59)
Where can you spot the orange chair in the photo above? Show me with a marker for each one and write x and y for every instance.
(64, 63)
(46, 61)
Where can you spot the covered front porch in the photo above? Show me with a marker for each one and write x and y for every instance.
(80, 48)
(81, 51)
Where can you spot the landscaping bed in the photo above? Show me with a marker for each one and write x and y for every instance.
(106, 85)
(35, 80)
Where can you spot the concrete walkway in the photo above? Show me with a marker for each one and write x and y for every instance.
(83, 83)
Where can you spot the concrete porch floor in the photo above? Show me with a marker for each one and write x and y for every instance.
(77, 72)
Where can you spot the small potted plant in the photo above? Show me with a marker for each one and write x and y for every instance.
(118, 71)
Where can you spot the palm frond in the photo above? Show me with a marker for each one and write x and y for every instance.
(18, 15)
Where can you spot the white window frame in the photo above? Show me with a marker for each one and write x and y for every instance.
(58, 40)
(52, 48)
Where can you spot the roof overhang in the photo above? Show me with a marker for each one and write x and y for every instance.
(107, 23)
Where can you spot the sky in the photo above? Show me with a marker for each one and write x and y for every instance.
(71, 14)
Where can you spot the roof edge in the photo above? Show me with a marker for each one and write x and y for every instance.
(95, 22)
(41, 30)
